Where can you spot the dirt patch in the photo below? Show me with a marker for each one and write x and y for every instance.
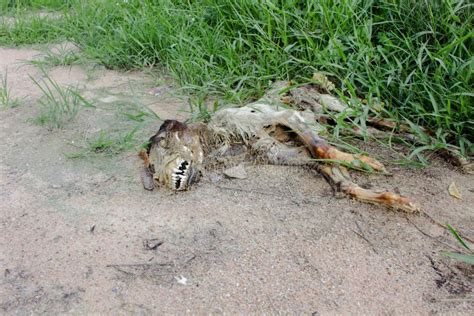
(73, 230)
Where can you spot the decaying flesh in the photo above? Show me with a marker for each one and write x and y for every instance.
(281, 129)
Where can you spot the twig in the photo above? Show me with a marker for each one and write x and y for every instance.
(428, 235)
(434, 221)
(245, 190)
(363, 237)
(297, 202)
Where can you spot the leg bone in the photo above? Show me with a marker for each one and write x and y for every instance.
(339, 178)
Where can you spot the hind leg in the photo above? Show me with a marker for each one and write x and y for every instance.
(340, 180)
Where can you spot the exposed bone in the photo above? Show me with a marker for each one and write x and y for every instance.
(278, 153)
(177, 155)
(340, 180)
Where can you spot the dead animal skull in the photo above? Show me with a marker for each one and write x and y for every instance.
(174, 157)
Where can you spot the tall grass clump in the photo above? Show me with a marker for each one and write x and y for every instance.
(6, 99)
(416, 56)
(22, 29)
(31, 21)
(8, 6)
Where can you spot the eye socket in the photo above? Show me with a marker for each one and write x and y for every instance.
(252, 111)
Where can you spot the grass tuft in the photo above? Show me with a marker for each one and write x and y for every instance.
(107, 144)
(58, 105)
(61, 56)
(466, 256)
(15, 5)
(6, 100)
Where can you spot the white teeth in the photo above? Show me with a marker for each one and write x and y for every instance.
(180, 174)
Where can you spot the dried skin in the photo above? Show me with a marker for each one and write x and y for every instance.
(177, 156)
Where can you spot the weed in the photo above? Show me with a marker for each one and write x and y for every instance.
(15, 5)
(136, 110)
(61, 57)
(141, 115)
(58, 105)
(108, 144)
(27, 28)
(467, 256)
(6, 100)
(200, 110)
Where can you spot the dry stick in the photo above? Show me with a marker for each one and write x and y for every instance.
(434, 221)
(265, 193)
(428, 235)
(364, 238)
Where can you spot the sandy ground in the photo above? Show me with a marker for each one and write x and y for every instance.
(74, 232)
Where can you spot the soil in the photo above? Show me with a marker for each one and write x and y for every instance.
(81, 235)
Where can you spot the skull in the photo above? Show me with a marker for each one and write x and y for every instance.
(175, 155)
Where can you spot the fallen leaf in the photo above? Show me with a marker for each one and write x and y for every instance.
(453, 190)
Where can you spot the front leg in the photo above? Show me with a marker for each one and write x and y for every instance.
(320, 149)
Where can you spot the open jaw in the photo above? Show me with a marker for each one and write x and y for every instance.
(180, 174)
(183, 175)
(269, 129)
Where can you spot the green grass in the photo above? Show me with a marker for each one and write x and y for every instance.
(6, 99)
(415, 56)
(107, 143)
(25, 28)
(32, 21)
(9, 6)
(467, 255)
(60, 56)
(58, 105)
